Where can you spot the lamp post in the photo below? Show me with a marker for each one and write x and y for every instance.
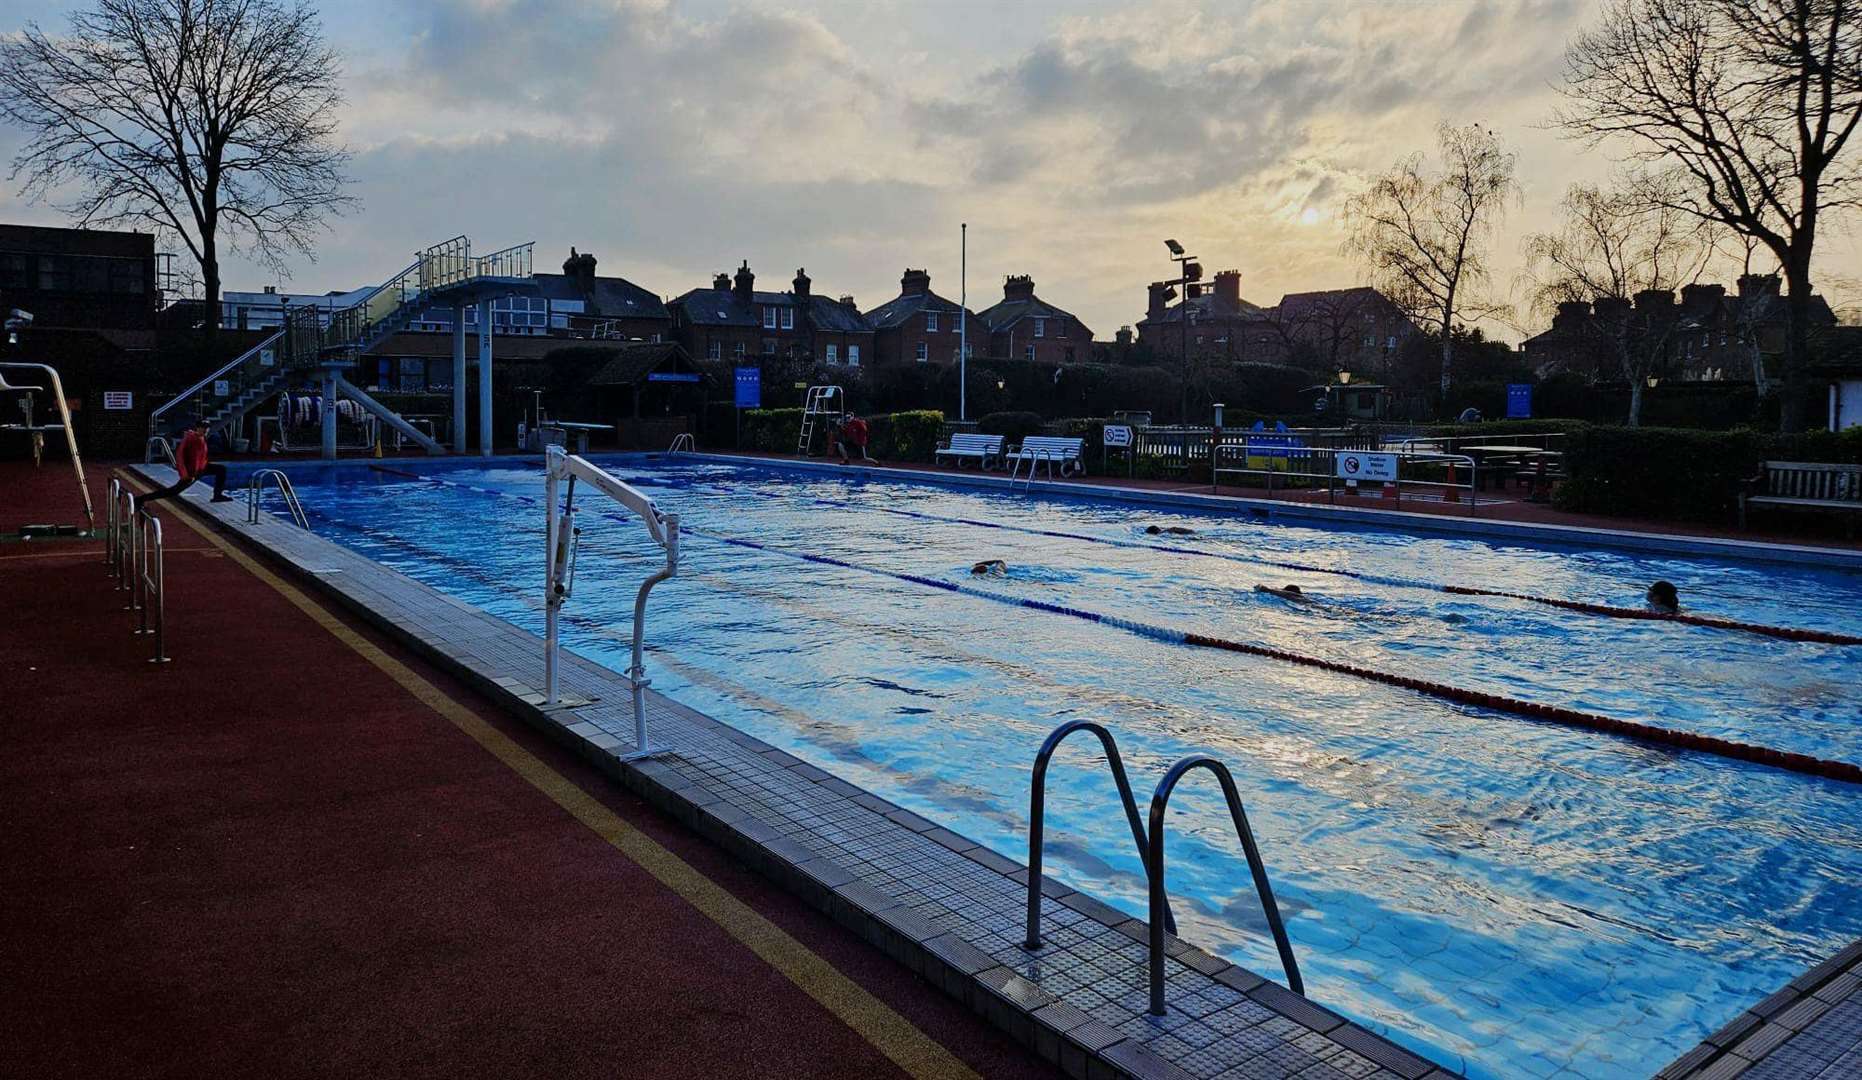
(963, 323)
(1188, 271)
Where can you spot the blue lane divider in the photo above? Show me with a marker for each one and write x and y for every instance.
(1711, 744)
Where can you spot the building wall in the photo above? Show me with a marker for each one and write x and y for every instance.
(899, 345)
(1063, 341)
(79, 278)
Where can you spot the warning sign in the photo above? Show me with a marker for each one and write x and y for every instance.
(1374, 467)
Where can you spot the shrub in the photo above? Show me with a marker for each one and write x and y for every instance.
(1682, 474)
(906, 436)
(771, 430)
(1015, 426)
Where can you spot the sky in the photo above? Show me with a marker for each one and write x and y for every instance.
(678, 138)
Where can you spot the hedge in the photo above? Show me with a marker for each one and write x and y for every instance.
(1681, 474)
(900, 436)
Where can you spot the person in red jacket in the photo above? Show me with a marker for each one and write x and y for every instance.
(853, 433)
(191, 462)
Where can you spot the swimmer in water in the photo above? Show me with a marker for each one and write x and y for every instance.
(1663, 597)
(1285, 592)
(990, 568)
(1174, 530)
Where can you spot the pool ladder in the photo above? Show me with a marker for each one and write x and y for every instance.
(133, 557)
(1151, 850)
(256, 483)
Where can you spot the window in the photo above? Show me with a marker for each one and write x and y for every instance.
(788, 318)
(15, 271)
(1028, 353)
(853, 356)
(1061, 328)
(1069, 358)
(737, 350)
(930, 321)
(769, 317)
(52, 274)
(1040, 328)
(922, 353)
(833, 354)
(769, 346)
(969, 351)
(715, 350)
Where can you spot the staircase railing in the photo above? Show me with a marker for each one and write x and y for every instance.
(354, 325)
(511, 262)
(240, 372)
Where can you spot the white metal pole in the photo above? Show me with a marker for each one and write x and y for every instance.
(963, 324)
(551, 602)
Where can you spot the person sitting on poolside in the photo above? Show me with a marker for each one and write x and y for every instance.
(1286, 592)
(990, 568)
(1174, 530)
(1663, 597)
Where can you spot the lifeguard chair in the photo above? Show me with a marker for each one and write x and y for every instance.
(822, 402)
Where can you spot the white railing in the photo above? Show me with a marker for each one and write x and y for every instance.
(237, 363)
(562, 539)
(64, 423)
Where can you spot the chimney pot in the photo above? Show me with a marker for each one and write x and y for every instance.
(1018, 287)
(744, 285)
(721, 282)
(801, 284)
(915, 281)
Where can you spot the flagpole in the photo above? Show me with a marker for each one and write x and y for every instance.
(963, 327)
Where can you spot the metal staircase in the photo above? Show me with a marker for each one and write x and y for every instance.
(315, 339)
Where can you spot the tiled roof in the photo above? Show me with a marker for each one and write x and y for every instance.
(1009, 312)
(830, 314)
(716, 307)
(894, 312)
(613, 297)
(633, 362)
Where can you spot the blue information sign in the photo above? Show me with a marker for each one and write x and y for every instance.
(673, 376)
(1519, 401)
(749, 383)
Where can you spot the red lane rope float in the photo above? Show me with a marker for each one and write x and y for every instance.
(1557, 714)
(1787, 633)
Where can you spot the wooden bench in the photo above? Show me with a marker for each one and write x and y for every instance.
(983, 449)
(1054, 450)
(1804, 485)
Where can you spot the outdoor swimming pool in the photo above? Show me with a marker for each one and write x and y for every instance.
(1516, 897)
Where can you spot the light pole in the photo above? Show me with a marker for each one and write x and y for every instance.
(1188, 271)
(963, 324)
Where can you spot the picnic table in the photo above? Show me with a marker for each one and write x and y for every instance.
(1536, 458)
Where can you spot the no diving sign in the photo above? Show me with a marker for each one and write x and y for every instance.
(1377, 468)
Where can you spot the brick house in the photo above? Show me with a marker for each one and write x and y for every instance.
(1330, 329)
(919, 326)
(1025, 327)
(733, 321)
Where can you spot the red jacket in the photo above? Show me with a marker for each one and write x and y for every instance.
(191, 455)
(855, 430)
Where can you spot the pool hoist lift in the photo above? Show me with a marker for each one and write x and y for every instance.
(563, 538)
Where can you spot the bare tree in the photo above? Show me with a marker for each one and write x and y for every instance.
(1612, 246)
(1423, 233)
(1750, 105)
(209, 120)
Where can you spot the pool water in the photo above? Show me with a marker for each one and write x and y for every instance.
(1511, 897)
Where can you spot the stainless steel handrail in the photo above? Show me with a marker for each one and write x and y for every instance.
(109, 528)
(682, 441)
(149, 577)
(1037, 813)
(1159, 801)
(256, 482)
(71, 433)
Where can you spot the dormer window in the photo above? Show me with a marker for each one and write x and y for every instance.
(769, 316)
(930, 321)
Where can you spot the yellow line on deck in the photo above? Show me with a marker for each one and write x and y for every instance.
(914, 1052)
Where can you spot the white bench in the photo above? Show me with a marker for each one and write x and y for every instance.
(984, 449)
(1804, 485)
(1052, 449)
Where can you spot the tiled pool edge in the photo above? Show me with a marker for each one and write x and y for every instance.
(1080, 1044)
(1809, 1030)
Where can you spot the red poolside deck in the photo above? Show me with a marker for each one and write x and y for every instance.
(270, 857)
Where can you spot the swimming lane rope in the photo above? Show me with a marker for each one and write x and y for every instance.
(1711, 744)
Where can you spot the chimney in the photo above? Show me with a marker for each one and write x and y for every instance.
(915, 282)
(744, 284)
(846, 301)
(1702, 299)
(1018, 287)
(1611, 308)
(1124, 337)
(721, 282)
(801, 284)
(1651, 299)
(1570, 313)
(1228, 287)
(1160, 300)
(1754, 285)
